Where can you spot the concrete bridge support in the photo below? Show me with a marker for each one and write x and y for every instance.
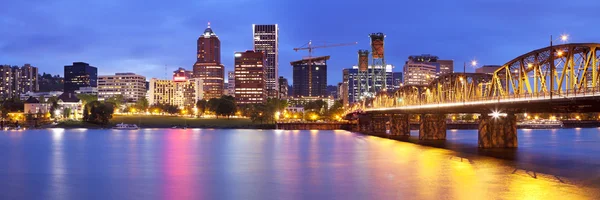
(498, 132)
(378, 127)
(400, 126)
(432, 127)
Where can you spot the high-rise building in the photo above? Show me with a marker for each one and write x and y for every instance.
(352, 77)
(421, 69)
(250, 78)
(18, 80)
(266, 39)
(28, 79)
(78, 75)
(398, 82)
(310, 77)
(180, 93)
(208, 65)
(130, 85)
(283, 87)
(231, 83)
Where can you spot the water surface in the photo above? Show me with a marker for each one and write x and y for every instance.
(276, 164)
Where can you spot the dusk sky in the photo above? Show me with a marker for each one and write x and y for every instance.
(143, 36)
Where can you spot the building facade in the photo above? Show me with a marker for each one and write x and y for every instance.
(397, 80)
(80, 74)
(18, 80)
(266, 39)
(250, 78)
(421, 69)
(310, 77)
(208, 65)
(446, 67)
(231, 83)
(361, 86)
(283, 87)
(180, 93)
(130, 85)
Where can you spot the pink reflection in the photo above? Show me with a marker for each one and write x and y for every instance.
(178, 166)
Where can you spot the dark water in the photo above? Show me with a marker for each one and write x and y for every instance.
(254, 164)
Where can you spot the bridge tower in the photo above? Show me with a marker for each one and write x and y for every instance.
(377, 54)
(363, 76)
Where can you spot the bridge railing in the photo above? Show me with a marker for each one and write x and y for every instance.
(556, 94)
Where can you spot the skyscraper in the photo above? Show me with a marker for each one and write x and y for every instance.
(316, 85)
(250, 78)
(266, 39)
(79, 75)
(208, 65)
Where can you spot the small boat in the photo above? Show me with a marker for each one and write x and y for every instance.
(123, 126)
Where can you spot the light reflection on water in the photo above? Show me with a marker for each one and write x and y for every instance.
(265, 164)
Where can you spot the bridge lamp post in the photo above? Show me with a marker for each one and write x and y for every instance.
(564, 38)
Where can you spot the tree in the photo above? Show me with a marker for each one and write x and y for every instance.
(226, 107)
(85, 98)
(142, 104)
(116, 100)
(98, 112)
(212, 104)
(54, 101)
(67, 113)
(171, 109)
(201, 105)
(42, 99)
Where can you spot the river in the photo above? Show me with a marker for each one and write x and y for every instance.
(277, 164)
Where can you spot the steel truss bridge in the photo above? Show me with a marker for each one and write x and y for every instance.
(561, 78)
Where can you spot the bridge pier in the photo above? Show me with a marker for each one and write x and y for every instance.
(432, 127)
(497, 132)
(378, 122)
(400, 126)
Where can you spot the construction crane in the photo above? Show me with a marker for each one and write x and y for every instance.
(310, 49)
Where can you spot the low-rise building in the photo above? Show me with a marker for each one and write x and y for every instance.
(33, 106)
(38, 95)
(68, 102)
(87, 90)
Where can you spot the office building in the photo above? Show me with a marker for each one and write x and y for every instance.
(180, 93)
(357, 84)
(130, 85)
(250, 78)
(343, 93)
(231, 83)
(208, 65)
(87, 90)
(283, 87)
(78, 75)
(266, 39)
(421, 69)
(18, 80)
(301, 101)
(446, 67)
(310, 77)
(397, 80)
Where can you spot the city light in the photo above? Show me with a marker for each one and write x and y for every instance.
(559, 53)
(564, 37)
(474, 63)
(497, 114)
(530, 65)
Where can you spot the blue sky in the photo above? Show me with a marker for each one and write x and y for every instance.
(143, 36)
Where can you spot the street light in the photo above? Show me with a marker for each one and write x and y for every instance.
(473, 63)
(564, 37)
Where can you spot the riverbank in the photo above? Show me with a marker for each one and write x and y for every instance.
(144, 121)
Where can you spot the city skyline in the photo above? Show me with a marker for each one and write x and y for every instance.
(149, 41)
